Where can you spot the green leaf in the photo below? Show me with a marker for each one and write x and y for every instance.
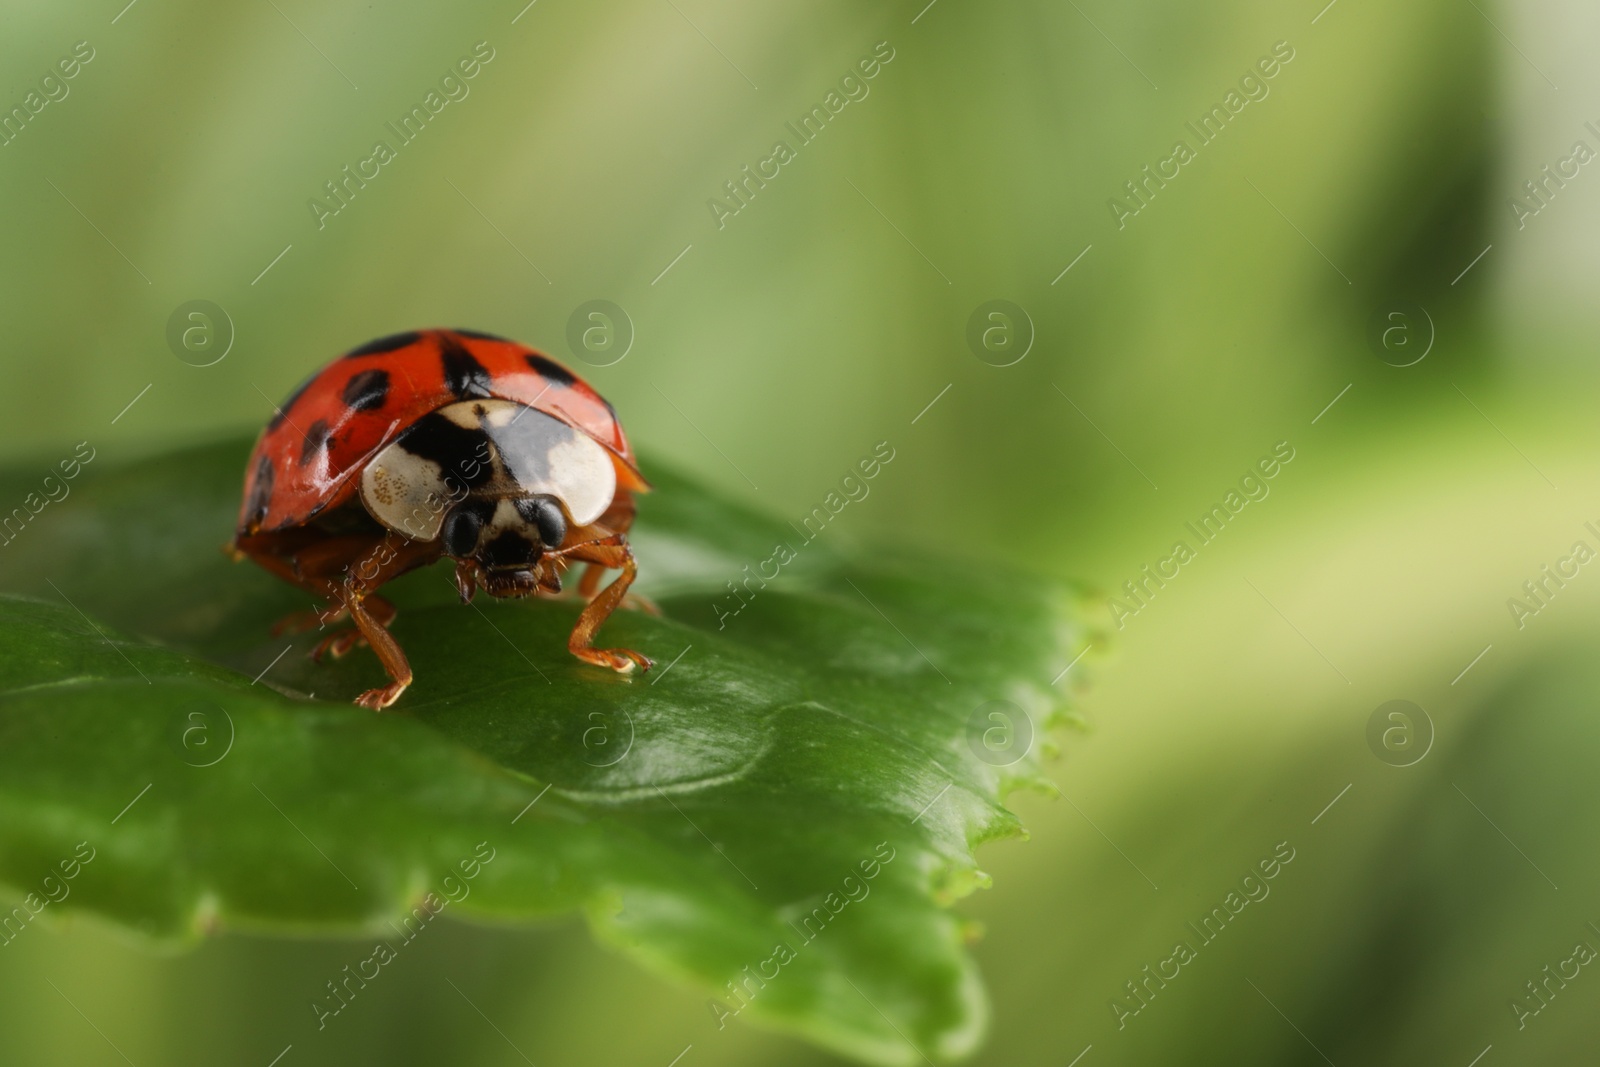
(787, 803)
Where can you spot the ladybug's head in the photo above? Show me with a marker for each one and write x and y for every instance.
(498, 484)
(503, 542)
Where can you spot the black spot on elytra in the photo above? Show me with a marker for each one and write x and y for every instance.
(552, 370)
(316, 441)
(260, 492)
(367, 390)
(456, 450)
(478, 335)
(510, 549)
(385, 344)
(464, 376)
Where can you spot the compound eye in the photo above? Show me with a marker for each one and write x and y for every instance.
(545, 514)
(460, 532)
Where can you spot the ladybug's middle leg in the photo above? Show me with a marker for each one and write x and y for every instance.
(589, 587)
(589, 584)
(298, 622)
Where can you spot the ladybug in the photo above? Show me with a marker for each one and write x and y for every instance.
(442, 443)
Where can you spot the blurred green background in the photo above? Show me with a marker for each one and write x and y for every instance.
(770, 352)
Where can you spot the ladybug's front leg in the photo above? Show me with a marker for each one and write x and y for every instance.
(612, 553)
(339, 643)
(388, 651)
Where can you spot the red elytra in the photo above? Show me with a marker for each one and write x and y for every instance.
(318, 440)
(404, 417)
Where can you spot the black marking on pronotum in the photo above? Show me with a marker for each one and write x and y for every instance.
(509, 549)
(455, 450)
(384, 344)
(464, 376)
(282, 413)
(478, 335)
(550, 369)
(260, 492)
(367, 390)
(315, 442)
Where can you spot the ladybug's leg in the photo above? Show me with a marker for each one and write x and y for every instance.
(466, 580)
(614, 555)
(640, 602)
(339, 644)
(589, 585)
(381, 609)
(388, 651)
(298, 622)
